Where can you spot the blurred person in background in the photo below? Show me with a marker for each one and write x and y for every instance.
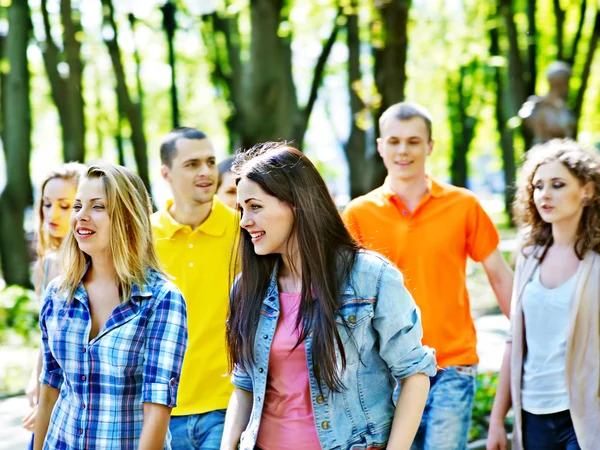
(57, 194)
(226, 188)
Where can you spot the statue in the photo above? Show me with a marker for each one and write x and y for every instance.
(550, 117)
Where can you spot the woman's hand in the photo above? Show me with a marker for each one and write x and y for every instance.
(497, 439)
(29, 420)
(33, 389)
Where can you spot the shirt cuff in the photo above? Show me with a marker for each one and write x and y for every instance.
(425, 365)
(242, 382)
(161, 393)
(52, 379)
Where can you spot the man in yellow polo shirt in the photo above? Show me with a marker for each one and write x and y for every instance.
(194, 235)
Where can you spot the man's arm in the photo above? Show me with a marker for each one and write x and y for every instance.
(501, 279)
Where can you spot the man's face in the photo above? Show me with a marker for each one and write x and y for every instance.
(404, 146)
(193, 174)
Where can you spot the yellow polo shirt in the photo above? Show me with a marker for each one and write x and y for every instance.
(199, 262)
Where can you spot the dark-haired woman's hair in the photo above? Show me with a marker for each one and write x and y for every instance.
(327, 255)
(584, 164)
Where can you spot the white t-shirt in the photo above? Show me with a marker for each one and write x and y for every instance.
(546, 313)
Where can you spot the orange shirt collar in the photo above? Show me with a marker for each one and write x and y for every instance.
(434, 189)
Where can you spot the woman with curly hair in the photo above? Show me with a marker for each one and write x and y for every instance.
(551, 366)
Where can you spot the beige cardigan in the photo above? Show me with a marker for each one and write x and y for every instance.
(583, 348)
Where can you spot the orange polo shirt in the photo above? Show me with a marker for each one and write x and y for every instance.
(430, 246)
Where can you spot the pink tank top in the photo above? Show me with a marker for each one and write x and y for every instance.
(287, 421)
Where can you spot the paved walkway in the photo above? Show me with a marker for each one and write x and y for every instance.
(12, 434)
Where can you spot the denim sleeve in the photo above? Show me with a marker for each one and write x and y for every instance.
(241, 379)
(397, 321)
(51, 373)
(166, 341)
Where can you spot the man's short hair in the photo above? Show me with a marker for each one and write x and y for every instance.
(168, 146)
(406, 111)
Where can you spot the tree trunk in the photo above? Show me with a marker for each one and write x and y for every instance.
(355, 148)
(462, 125)
(227, 72)
(301, 119)
(17, 132)
(67, 92)
(269, 107)
(130, 109)
(559, 15)
(587, 67)
(390, 67)
(502, 110)
(75, 151)
(170, 25)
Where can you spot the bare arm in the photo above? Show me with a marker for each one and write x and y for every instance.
(501, 279)
(48, 397)
(33, 388)
(409, 410)
(156, 424)
(238, 414)
(502, 402)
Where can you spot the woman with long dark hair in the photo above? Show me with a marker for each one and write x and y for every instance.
(320, 331)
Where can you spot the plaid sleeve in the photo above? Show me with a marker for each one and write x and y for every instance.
(166, 341)
(52, 373)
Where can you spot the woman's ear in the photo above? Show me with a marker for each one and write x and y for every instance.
(588, 193)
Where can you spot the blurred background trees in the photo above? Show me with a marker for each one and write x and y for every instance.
(105, 79)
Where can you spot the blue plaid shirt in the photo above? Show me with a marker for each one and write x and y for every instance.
(103, 383)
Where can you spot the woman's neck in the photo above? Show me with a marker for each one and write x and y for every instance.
(564, 233)
(102, 268)
(290, 273)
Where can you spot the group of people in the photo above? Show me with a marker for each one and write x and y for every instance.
(348, 331)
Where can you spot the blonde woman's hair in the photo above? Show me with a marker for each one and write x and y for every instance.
(68, 172)
(130, 235)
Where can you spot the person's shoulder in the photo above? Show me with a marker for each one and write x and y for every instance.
(157, 220)
(368, 261)
(160, 285)
(373, 199)
(456, 192)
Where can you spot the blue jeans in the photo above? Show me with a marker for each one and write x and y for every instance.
(197, 431)
(549, 431)
(447, 415)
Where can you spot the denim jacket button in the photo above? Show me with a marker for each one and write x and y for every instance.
(325, 425)
(352, 319)
(320, 399)
(261, 370)
(265, 336)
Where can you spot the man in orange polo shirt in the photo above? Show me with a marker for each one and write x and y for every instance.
(428, 229)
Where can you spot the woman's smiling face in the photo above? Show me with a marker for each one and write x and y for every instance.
(268, 220)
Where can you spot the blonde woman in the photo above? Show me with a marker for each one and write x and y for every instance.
(53, 214)
(113, 327)
(551, 368)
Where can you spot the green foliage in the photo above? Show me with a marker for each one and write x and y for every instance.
(482, 406)
(19, 316)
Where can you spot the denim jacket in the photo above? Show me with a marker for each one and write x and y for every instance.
(383, 346)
